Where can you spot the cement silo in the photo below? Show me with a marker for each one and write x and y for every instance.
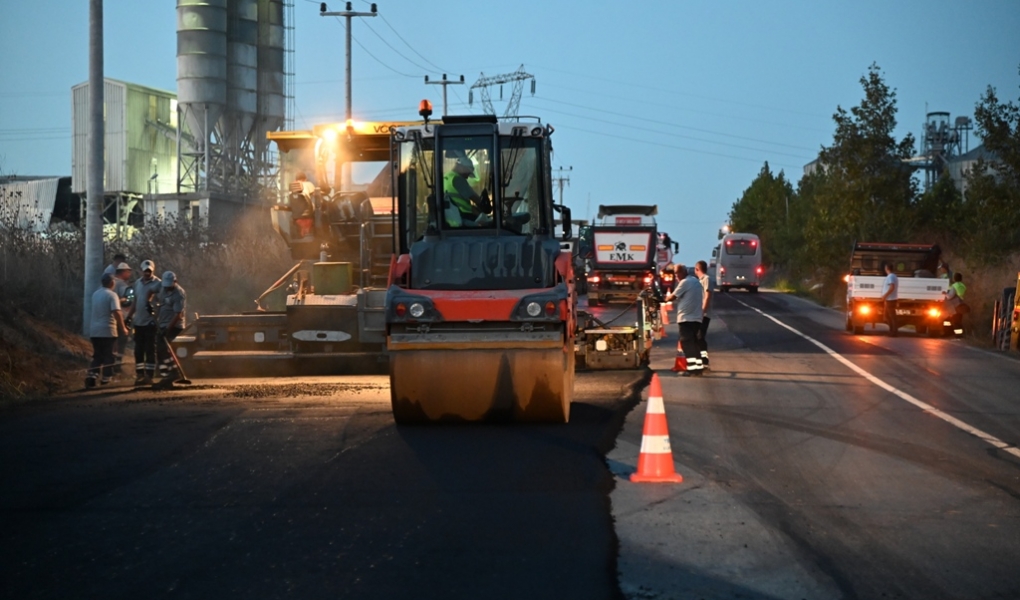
(242, 67)
(201, 79)
(233, 87)
(272, 75)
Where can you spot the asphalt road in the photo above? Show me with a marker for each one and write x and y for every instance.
(804, 478)
(261, 489)
(807, 479)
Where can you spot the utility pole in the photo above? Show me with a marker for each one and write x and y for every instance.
(561, 179)
(348, 14)
(445, 82)
(95, 164)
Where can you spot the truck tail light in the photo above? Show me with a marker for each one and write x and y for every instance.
(594, 279)
(758, 270)
(648, 279)
(934, 312)
(722, 270)
(864, 309)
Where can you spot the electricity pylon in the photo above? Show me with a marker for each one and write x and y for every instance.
(484, 83)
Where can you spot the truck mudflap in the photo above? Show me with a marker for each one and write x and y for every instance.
(465, 382)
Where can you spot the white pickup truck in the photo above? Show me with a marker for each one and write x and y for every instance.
(920, 294)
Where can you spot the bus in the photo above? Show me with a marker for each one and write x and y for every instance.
(738, 262)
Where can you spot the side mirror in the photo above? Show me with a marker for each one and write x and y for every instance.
(565, 219)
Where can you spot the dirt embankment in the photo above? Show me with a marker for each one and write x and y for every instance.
(38, 358)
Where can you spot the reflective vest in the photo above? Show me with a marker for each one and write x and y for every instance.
(463, 204)
(959, 288)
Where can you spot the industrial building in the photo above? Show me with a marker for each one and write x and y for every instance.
(200, 154)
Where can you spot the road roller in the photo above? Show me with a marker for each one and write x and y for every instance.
(480, 305)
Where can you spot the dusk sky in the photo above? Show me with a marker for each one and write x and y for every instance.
(672, 103)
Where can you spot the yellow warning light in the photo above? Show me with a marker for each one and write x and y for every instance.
(330, 134)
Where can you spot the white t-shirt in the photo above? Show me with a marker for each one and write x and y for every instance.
(707, 284)
(102, 323)
(891, 281)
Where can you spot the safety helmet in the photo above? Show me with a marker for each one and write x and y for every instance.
(148, 265)
(464, 164)
(169, 279)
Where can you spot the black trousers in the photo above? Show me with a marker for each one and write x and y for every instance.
(145, 348)
(163, 346)
(890, 316)
(702, 332)
(689, 344)
(102, 358)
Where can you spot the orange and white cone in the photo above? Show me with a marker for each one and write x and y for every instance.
(663, 318)
(655, 462)
(680, 364)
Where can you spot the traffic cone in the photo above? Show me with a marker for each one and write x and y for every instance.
(680, 364)
(655, 462)
(664, 318)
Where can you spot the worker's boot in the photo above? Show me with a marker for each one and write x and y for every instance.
(139, 378)
(90, 382)
(148, 376)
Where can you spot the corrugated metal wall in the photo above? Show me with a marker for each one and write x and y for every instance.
(133, 139)
(28, 204)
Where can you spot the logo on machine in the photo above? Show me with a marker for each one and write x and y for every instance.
(620, 246)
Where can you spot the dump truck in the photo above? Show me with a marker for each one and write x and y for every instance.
(621, 247)
(920, 295)
(326, 314)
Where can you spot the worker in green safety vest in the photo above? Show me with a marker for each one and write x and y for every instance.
(465, 205)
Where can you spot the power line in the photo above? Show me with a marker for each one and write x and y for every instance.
(676, 93)
(678, 126)
(674, 147)
(633, 127)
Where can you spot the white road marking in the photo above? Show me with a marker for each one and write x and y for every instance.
(987, 437)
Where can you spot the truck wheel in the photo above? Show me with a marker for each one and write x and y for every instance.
(725, 289)
(921, 329)
(858, 329)
(849, 324)
(753, 289)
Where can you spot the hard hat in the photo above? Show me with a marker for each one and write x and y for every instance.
(123, 267)
(465, 163)
(148, 265)
(169, 279)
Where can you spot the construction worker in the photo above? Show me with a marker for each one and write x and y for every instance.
(302, 204)
(169, 320)
(111, 269)
(955, 307)
(462, 197)
(688, 300)
(890, 294)
(143, 316)
(125, 292)
(105, 324)
(701, 271)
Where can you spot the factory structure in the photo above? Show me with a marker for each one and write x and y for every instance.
(945, 147)
(201, 153)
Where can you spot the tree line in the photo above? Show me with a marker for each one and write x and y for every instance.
(864, 190)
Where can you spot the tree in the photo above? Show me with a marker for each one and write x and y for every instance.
(993, 188)
(764, 209)
(867, 192)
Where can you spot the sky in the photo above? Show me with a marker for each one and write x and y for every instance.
(677, 103)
